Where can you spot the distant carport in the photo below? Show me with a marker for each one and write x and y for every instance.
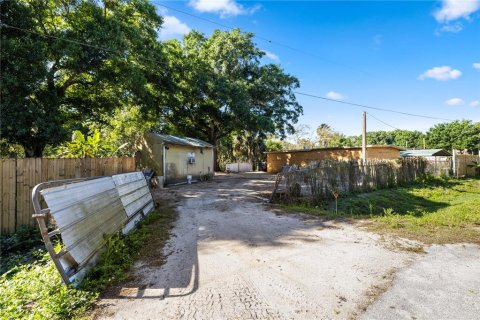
(425, 153)
(439, 161)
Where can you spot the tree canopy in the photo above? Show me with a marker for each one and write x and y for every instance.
(223, 88)
(460, 135)
(99, 68)
(65, 62)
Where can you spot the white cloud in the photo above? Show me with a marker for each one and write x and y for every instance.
(455, 9)
(223, 7)
(477, 65)
(441, 73)
(172, 27)
(453, 28)
(271, 56)
(455, 102)
(475, 103)
(335, 96)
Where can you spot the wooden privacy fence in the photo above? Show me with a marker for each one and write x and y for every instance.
(322, 178)
(461, 165)
(19, 176)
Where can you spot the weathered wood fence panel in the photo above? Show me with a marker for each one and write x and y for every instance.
(459, 166)
(439, 166)
(19, 176)
(463, 165)
(322, 178)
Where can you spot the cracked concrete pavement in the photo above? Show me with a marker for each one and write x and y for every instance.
(230, 257)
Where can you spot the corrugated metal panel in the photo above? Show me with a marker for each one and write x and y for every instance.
(87, 212)
(185, 141)
(424, 153)
(133, 191)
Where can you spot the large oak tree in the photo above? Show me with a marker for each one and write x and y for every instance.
(223, 88)
(74, 61)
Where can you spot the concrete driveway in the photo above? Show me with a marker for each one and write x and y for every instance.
(231, 257)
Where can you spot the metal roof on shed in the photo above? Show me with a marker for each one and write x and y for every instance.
(183, 141)
(425, 153)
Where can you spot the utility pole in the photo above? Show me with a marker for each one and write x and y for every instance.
(364, 138)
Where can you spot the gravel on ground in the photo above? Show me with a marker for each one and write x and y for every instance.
(231, 257)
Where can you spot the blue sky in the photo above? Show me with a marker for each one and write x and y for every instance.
(418, 57)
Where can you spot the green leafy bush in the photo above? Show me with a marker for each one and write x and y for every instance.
(83, 146)
(119, 255)
(19, 248)
(36, 291)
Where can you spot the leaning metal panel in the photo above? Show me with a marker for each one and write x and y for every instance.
(87, 212)
(135, 196)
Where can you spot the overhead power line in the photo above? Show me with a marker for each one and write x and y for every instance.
(371, 115)
(261, 37)
(303, 52)
(72, 41)
(154, 60)
(368, 107)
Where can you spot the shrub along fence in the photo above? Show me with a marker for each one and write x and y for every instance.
(19, 176)
(322, 178)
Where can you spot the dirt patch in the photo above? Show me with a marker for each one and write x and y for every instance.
(374, 292)
(230, 257)
(430, 234)
(152, 253)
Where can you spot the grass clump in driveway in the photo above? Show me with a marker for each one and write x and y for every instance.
(34, 290)
(432, 210)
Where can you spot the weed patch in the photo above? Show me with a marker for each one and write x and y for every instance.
(34, 290)
(22, 247)
(121, 252)
(432, 210)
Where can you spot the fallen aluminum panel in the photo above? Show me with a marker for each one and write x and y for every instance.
(87, 212)
(135, 196)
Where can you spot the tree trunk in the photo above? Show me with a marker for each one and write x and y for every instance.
(215, 159)
(33, 150)
(212, 139)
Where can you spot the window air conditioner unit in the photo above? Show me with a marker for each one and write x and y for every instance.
(191, 160)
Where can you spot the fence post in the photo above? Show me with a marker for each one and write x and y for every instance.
(454, 163)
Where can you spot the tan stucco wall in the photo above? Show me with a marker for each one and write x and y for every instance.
(176, 159)
(275, 161)
(383, 153)
(177, 166)
(151, 153)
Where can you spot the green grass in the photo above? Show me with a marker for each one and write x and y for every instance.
(433, 210)
(36, 291)
(33, 289)
(20, 248)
